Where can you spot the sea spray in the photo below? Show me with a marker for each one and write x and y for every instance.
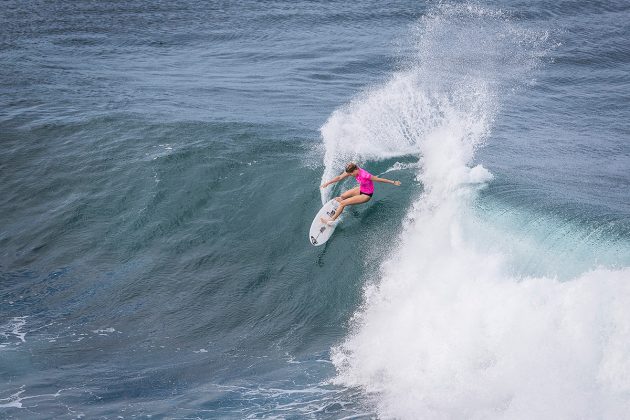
(396, 119)
(464, 55)
(448, 331)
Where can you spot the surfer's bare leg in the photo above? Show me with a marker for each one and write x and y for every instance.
(348, 194)
(357, 199)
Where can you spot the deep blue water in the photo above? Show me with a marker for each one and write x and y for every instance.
(160, 166)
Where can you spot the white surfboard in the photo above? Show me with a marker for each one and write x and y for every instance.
(320, 232)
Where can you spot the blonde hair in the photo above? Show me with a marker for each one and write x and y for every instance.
(351, 167)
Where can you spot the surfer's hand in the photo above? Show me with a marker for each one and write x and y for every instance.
(323, 186)
(397, 183)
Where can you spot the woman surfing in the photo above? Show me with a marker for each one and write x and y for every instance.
(359, 195)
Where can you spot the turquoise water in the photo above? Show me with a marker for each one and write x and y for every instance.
(160, 169)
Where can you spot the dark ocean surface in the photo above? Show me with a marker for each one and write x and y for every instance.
(160, 165)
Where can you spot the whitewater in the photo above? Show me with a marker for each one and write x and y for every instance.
(452, 325)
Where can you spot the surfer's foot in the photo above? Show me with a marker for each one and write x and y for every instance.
(329, 222)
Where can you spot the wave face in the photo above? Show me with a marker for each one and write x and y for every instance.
(448, 330)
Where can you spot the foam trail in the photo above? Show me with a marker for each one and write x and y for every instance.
(447, 331)
(13, 329)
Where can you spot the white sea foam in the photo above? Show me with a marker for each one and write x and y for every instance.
(104, 331)
(13, 401)
(448, 331)
(12, 328)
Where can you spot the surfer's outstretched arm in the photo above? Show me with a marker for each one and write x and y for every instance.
(385, 181)
(335, 179)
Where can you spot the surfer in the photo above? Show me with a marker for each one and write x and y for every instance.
(358, 195)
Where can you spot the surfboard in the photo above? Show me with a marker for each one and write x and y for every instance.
(320, 232)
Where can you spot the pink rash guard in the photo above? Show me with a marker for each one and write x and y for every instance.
(365, 181)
